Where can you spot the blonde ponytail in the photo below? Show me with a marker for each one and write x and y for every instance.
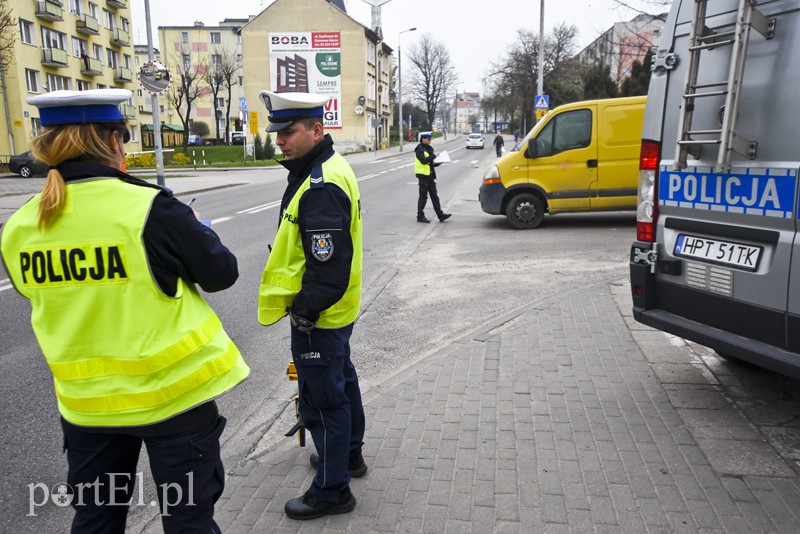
(86, 142)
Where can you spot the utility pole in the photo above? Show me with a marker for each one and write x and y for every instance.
(400, 84)
(154, 104)
(540, 84)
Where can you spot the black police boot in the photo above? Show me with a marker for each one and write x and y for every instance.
(444, 216)
(356, 465)
(308, 507)
(423, 219)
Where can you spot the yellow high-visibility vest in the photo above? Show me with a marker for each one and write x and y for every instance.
(419, 167)
(122, 353)
(283, 276)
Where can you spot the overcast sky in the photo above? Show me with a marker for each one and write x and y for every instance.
(474, 37)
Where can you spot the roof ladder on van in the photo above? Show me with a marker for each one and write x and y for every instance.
(703, 38)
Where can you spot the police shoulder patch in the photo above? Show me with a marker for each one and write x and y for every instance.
(322, 246)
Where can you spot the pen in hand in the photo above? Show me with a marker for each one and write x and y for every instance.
(191, 201)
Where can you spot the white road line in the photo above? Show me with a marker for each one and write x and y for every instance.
(221, 219)
(367, 177)
(5, 284)
(262, 207)
(474, 161)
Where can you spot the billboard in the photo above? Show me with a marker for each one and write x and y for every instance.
(308, 62)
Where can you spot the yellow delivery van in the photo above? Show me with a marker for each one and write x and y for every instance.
(582, 156)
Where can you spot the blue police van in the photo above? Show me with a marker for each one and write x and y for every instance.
(717, 256)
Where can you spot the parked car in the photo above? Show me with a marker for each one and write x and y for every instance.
(25, 165)
(475, 140)
(237, 138)
(195, 140)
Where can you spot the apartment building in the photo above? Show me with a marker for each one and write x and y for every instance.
(211, 54)
(75, 45)
(622, 44)
(315, 46)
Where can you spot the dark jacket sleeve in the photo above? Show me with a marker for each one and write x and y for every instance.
(423, 156)
(324, 219)
(179, 246)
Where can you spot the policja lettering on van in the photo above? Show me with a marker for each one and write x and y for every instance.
(772, 193)
(60, 265)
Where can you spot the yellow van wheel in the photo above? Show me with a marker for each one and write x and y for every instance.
(525, 211)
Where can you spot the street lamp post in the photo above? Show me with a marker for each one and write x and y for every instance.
(400, 84)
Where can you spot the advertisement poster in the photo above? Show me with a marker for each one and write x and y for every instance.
(308, 62)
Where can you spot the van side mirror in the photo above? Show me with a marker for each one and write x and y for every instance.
(530, 150)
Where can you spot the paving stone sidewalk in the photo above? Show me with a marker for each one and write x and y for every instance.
(551, 421)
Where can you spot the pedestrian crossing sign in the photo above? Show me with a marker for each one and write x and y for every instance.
(542, 102)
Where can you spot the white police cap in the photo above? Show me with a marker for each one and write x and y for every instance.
(80, 107)
(286, 108)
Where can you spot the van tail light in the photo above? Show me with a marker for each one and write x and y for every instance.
(647, 202)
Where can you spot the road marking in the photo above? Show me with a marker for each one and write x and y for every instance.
(5, 284)
(262, 207)
(220, 220)
(367, 177)
(474, 161)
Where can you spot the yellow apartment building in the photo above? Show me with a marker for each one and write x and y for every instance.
(315, 46)
(75, 45)
(199, 50)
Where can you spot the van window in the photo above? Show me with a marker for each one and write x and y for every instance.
(567, 131)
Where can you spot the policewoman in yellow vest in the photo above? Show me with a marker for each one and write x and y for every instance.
(313, 275)
(110, 265)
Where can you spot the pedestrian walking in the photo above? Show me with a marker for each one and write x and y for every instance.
(499, 144)
(516, 136)
(313, 275)
(424, 157)
(110, 264)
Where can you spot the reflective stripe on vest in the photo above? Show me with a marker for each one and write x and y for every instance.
(283, 276)
(121, 352)
(419, 167)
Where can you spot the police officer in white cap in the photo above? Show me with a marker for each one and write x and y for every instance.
(313, 275)
(109, 264)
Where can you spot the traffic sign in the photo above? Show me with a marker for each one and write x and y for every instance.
(243, 103)
(253, 122)
(542, 102)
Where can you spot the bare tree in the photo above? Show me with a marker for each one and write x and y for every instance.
(8, 37)
(432, 73)
(218, 77)
(189, 87)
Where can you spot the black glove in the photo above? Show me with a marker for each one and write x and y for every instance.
(301, 323)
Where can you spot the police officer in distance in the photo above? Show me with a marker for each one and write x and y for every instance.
(110, 264)
(313, 275)
(426, 176)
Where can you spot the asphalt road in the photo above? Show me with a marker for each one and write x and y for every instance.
(424, 284)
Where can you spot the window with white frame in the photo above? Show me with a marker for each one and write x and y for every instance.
(76, 7)
(126, 61)
(238, 61)
(113, 58)
(81, 85)
(32, 80)
(216, 59)
(371, 53)
(187, 61)
(124, 25)
(215, 38)
(101, 86)
(26, 32)
(36, 126)
(184, 37)
(220, 103)
(238, 37)
(97, 52)
(53, 39)
(134, 130)
(58, 83)
(241, 81)
(109, 20)
(79, 47)
(93, 10)
(371, 89)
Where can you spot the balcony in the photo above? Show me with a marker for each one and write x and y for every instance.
(91, 66)
(87, 25)
(120, 38)
(49, 10)
(128, 111)
(116, 4)
(54, 57)
(123, 75)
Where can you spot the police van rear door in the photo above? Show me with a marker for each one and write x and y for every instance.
(727, 239)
